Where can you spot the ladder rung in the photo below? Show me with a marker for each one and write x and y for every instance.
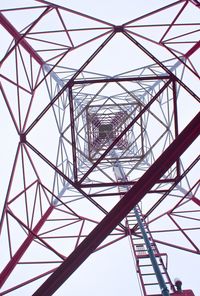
(155, 295)
(145, 274)
(154, 284)
(147, 265)
(151, 284)
(153, 273)
(145, 255)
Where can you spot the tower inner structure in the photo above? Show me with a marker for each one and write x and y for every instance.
(102, 148)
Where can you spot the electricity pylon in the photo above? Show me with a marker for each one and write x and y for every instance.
(104, 122)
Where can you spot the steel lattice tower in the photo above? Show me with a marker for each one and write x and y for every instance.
(99, 143)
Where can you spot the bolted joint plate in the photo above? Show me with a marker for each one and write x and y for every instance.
(22, 138)
(118, 29)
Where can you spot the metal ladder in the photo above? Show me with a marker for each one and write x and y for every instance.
(144, 268)
(150, 265)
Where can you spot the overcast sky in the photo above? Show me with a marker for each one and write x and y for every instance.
(110, 271)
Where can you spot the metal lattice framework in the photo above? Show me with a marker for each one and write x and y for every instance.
(81, 94)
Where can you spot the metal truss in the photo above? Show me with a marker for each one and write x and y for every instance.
(81, 94)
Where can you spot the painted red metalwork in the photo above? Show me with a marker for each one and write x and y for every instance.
(196, 200)
(193, 49)
(19, 38)
(72, 124)
(20, 252)
(184, 293)
(124, 131)
(121, 210)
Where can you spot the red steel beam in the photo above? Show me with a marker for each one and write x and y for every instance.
(196, 200)
(73, 135)
(20, 38)
(121, 79)
(121, 209)
(178, 179)
(22, 249)
(192, 50)
(146, 107)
